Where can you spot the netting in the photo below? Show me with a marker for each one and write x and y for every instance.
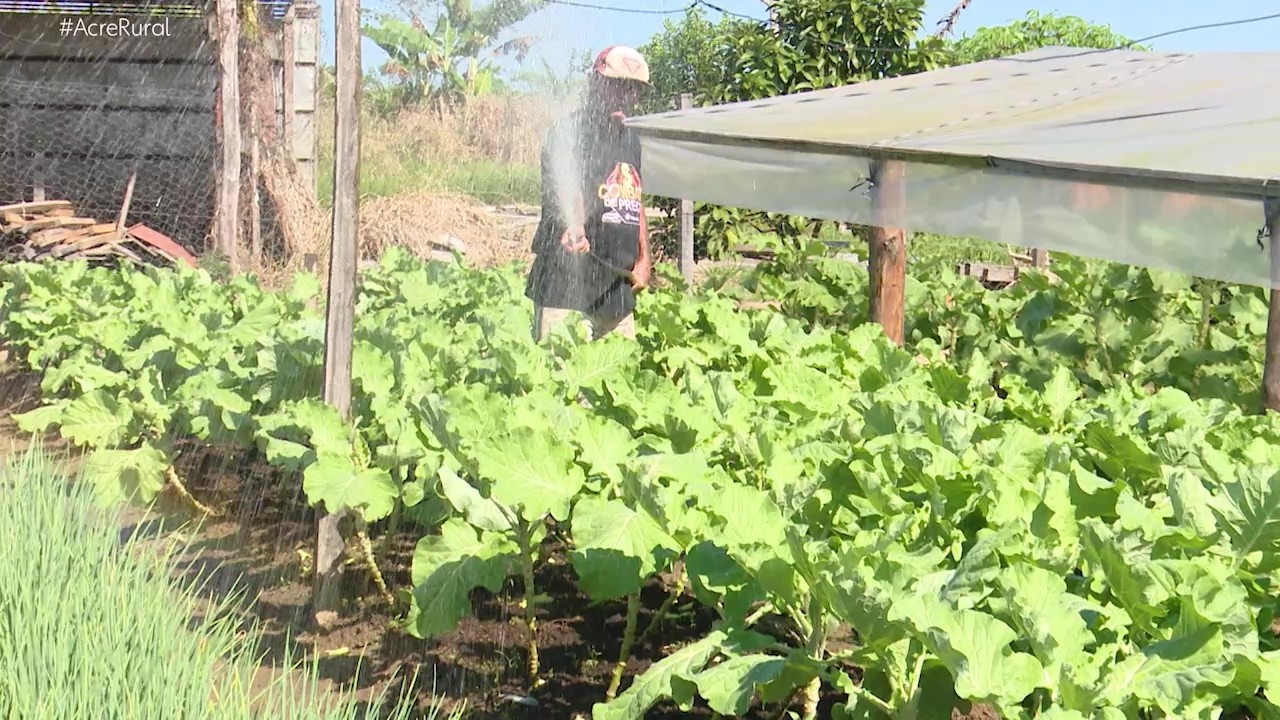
(81, 113)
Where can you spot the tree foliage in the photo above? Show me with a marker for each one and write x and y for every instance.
(1035, 31)
(685, 57)
(452, 56)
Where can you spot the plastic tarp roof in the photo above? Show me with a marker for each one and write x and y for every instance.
(1144, 158)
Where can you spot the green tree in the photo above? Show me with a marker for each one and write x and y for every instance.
(453, 56)
(1035, 31)
(684, 57)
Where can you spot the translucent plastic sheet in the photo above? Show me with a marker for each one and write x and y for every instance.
(995, 149)
(1207, 236)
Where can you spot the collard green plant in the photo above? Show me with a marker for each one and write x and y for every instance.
(1054, 502)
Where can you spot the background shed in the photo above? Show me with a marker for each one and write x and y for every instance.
(79, 113)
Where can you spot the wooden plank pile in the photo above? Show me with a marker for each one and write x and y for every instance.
(51, 229)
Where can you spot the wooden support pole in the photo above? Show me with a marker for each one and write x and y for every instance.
(228, 207)
(340, 313)
(255, 200)
(686, 217)
(1040, 258)
(887, 261)
(1271, 364)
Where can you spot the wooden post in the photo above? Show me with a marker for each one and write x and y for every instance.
(887, 261)
(288, 55)
(340, 314)
(255, 201)
(1040, 258)
(686, 217)
(228, 208)
(1271, 364)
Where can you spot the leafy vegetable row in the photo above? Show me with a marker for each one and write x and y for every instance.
(997, 528)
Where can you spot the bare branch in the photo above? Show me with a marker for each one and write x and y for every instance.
(948, 23)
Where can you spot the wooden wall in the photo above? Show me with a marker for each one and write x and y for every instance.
(78, 113)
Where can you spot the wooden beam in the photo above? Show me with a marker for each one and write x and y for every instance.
(887, 261)
(1040, 258)
(340, 313)
(686, 217)
(1271, 365)
(227, 211)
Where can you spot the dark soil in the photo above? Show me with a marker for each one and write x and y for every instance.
(260, 545)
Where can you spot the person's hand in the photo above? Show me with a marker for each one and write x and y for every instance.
(640, 274)
(575, 240)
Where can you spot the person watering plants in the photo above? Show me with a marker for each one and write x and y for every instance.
(592, 247)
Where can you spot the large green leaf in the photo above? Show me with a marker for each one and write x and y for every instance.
(335, 481)
(532, 471)
(615, 548)
(120, 476)
(656, 683)
(447, 567)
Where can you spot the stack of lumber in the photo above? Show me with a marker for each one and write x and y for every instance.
(51, 229)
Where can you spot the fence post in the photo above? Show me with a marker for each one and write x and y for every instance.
(686, 217)
(228, 208)
(887, 259)
(1271, 362)
(340, 313)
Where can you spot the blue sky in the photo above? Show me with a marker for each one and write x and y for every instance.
(563, 31)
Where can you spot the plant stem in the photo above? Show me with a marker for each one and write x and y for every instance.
(371, 564)
(875, 702)
(817, 648)
(658, 617)
(624, 653)
(530, 609)
(1206, 314)
(754, 617)
(171, 475)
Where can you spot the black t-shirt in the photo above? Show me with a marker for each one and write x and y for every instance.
(605, 157)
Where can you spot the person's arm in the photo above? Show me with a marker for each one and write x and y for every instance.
(644, 260)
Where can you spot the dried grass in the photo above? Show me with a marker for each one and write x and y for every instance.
(504, 130)
(410, 211)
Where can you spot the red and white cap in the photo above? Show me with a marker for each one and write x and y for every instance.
(622, 63)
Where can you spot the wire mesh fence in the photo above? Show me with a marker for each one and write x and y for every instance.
(83, 112)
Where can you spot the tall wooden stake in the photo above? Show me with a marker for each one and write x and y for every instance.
(228, 209)
(887, 261)
(1271, 365)
(686, 217)
(255, 201)
(340, 319)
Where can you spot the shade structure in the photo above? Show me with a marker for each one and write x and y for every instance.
(1154, 159)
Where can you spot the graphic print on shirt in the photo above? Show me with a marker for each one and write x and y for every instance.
(620, 195)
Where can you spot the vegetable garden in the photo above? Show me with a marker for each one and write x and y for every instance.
(1058, 502)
